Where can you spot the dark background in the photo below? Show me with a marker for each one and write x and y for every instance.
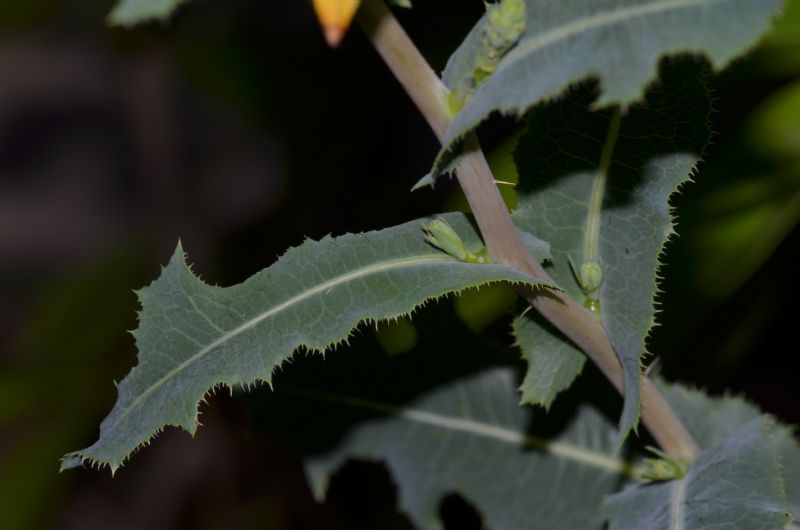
(235, 128)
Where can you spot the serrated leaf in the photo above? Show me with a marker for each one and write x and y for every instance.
(472, 438)
(735, 481)
(130, 12)
(584, 197)
(193, 337)
(618, 42)
(469, 437)
(789, 450)
(735, 484)
(710, 420)
(553, 361)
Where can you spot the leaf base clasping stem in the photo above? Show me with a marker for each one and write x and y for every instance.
(502, 240)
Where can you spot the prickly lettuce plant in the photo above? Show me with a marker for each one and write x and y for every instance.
(615, 111)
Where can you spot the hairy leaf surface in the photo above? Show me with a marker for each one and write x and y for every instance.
(193, 336)
(618, 42)
(579, 188)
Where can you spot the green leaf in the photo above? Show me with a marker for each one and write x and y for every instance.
(478, 56)
(711, 420)
(789, 451)
(602, 198)
(130, 12)
(735, 484)
(193, 337)
(778, 53)
(553, 361)
(471, 438)
(618, 42)
(523, 469)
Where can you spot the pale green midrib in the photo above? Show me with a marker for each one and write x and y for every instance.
(575, 27)
(677, 504)
(594, 216)
(375, 268)
(560, 449)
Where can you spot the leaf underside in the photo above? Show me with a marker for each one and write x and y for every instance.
(711, 420)
(617, 42)
(737, 481)
(659, 142)
(469, 437)
(472, 438)
(193, 337)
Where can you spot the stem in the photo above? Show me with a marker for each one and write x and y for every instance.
(410, 68)
(500, 234)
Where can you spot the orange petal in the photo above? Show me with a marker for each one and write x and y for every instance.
(335, 17)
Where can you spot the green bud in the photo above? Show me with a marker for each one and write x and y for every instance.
(591, 276)
(442, 236)
(663, 468)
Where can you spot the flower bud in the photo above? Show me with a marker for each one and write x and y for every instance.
(442, 236)
(591, 277)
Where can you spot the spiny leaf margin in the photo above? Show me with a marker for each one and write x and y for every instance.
(471, 437)
(193, 337)
(570, 41)
(735, 437)
(659, 142)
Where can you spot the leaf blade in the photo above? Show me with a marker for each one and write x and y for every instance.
(431, 445)
(193, 337)
(735, 483)
(553, 361)
(470, 437)
(658, 144)
(619, 42)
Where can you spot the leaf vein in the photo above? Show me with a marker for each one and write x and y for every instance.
(375, 268)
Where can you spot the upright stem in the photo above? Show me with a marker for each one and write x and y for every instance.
(498, 230)
(411, 69)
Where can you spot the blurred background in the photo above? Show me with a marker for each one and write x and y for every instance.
(235, 128)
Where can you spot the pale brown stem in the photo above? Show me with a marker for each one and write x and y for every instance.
(502, 239)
